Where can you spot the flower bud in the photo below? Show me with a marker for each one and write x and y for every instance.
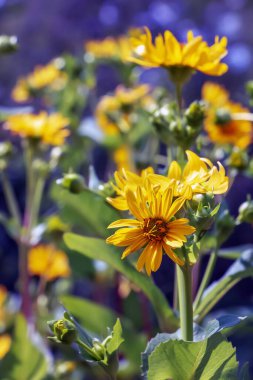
(225, 225)
(246, 212)
(163, 120)
(64, 331)
(238, 159)
(195, 113)
(8, 44)
(72, 182)
(99, 349)
(222, 116)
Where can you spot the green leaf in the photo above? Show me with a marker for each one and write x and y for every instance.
(97, 319)
(117, 338)
(241, 268)
(97, 248)
(233, 253)
(24, 361)
(211, 359)
(88, 211)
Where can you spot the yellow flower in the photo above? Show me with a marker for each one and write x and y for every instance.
(42, 77)
(124, 179)
(155, 228)
(166, 51)
(109, 48)
(48, 262)
(235, 132)
(5, 344)
(199, 176)
(49, 129)
(113, 112)
(3, 297)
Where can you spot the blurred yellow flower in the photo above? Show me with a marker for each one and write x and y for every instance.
(109, 48)
(5, 345)
(113, 112)
(3, 297)
(199, 176)
(48, 262)
(166, 51)
(42, 77)
(47, 128)
(124, 179)
(155, 228)
(123, 159)
(227, 131)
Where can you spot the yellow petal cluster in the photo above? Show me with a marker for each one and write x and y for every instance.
(109, 48)
(238, 133)
(48, 262)
(155, 230)
(166, 51)
(112, 112)
(42, 77)
(5, 344)
(199, 176)
(47, 128)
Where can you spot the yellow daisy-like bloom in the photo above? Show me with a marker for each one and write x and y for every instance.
(235, 132)
(123, 159)
(166, 51)
(199, 176)
(48, 128)
(112, 112)
(5, 345)
(48, 262)
(109, 48)
(155, 228)
(124, 179)
(42, 77)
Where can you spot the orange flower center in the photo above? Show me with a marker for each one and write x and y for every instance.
(155, 229)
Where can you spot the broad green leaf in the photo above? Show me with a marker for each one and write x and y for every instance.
(98, 249)
(24, 361)
(241, 268)
(117, 338)
(211, 359)
(97, 319)
(88, 211)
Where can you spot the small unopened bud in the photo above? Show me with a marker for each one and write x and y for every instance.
(195, 113)
(222, 116)
(64, 331)
(99, 349)
(246, 212)
(225, 225)
(238, 159)
(8, 44)
(72, 182)
(41, 167)
(6, 149)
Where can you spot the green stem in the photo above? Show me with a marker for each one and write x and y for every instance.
(184, 277)
(88, 349)
(206, 279)
(11, 199)
(179, 97)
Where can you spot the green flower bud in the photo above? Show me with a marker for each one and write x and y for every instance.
(41, 167)
(246, 212)
(8, 44)
(72, 182)
(164, 122)
(106, 190)
(64, 331)
(222, 116)
(99, 349)
(195, 114)
(225, 225)
(6, 150)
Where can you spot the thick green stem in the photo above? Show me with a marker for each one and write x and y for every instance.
(206, 279)
(179, 97)
(184, 277)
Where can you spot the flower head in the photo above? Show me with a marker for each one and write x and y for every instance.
(113, 112)
(42, 77)
(225, 130)
(166, 51)
(48, 262)
(109, 48)
(199, 176)
(155, 229)
(49, 129)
